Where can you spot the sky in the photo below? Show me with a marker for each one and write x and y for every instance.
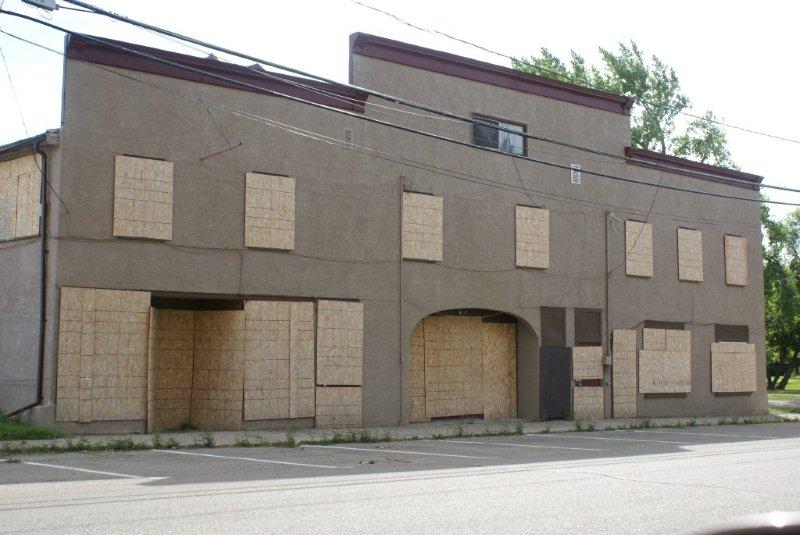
(736, 58)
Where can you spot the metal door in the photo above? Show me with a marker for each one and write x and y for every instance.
(555, 382)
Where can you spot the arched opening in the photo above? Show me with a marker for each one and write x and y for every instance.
(465, 364)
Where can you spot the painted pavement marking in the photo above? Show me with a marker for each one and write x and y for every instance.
(251, 459)
(522, 445)
(382, 450)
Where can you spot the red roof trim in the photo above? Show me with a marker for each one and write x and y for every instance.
(656, 160)
(82, 49)
(487, 73)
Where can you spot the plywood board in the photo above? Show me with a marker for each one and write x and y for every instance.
(499, 370)
(218, 377)
(423, 224)
(533, 237)
(453, 366)
(269, 219)
(102, 355)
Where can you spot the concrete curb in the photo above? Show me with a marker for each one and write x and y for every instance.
(200, 439)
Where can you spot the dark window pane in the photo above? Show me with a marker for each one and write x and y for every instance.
(553, 327)
(731, 333)
(485, 136)
(668, 325)
(588, 327)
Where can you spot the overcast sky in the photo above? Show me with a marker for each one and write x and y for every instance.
(738, 59)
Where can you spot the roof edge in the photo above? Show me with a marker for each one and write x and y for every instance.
(83, 49)
(22, 147)
(479, 71)
(656, 160)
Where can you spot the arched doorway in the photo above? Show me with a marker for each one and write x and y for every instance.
(464, 364)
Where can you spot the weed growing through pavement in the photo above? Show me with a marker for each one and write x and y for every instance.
(206, 440)
(243, 441)
(643, 424)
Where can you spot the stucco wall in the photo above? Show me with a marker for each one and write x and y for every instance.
(347, 234)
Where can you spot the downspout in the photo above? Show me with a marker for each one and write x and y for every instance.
(403, 375)
(609, 331)
(43, 286)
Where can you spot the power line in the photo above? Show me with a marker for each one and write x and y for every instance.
(25, 127)
(557, 75)
(451, 173)
(399, 100)
(377, 121)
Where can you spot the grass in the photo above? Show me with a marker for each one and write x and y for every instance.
(784, 410)
(12, 429)
(790, 393)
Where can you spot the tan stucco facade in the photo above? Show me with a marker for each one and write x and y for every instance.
(350, 235)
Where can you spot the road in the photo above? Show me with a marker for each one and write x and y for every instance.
(633, 481)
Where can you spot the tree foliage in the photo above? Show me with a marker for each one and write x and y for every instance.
(782, 296)
(657, 99)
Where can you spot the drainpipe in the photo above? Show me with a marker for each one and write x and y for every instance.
(609, 331)
(401, 340)
(43, 287)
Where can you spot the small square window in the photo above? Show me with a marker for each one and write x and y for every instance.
(487, 133)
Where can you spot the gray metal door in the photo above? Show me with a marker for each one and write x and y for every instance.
(555, 382)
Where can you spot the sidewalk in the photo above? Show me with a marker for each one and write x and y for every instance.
(195, 439)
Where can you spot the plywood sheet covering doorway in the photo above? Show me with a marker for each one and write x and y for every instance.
(461, 366)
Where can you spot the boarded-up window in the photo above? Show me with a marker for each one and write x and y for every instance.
(20, 197)
(423, 220)
(553, 327)
(731, 333)
(638, 248)
(735, 260)
(533, 237)
(269, 211)
(690, 255)
(733, 367)
(665, 362)
(142, 198)
(588, 327)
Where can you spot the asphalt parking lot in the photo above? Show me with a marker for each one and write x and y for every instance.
(654, 480)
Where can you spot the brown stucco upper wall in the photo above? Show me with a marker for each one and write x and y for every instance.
(347, 202)
(488, 73)
(542, 116)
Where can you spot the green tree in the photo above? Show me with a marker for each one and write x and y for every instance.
(781, 296)
(657, 99)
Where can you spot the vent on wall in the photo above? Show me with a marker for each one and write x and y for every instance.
(347, 138)
(575, 174)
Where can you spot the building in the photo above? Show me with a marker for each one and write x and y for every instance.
(230, 259)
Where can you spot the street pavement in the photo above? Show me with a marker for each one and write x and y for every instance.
(632, 481)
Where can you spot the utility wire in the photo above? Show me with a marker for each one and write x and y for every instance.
(557, 75)
(25, 127)
(406, 102)
(430, 168)
(377, 121)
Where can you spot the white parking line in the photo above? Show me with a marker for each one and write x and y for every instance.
(522, 445)
(607, 438)
(705, 434)
(377, 450)
(100, 472)
(251, 459)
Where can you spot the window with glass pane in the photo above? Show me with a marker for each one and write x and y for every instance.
(485, 135)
